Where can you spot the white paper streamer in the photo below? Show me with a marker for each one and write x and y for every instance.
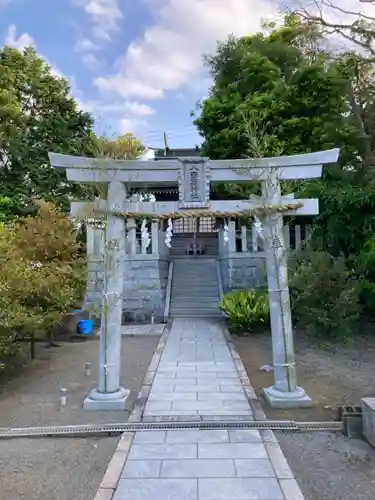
(145, 235)
(258, 226)
(226, 232)
(169, 234)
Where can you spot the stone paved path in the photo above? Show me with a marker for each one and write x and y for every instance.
(197, 377)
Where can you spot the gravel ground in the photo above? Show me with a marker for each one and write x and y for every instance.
(62, 468)
(327, 466)
(330, 466)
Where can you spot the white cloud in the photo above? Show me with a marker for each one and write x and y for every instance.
(131, 125)
(87, 48)
(91, 61)
(134, 117)
(104, 16)
(138, 109)
(169, 55)
(119, 107)
(85, 45)
(20, 43)
(125, 116)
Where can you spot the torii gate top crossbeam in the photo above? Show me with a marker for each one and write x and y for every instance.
(168, 172)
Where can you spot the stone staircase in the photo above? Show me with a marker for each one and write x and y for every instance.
(195, 288)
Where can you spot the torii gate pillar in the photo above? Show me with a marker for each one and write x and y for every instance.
(284, 393)
(109, 395)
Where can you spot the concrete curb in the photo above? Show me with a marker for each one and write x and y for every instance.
(284, 474)
(112, 475)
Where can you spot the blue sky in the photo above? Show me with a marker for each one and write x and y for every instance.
(136, 65)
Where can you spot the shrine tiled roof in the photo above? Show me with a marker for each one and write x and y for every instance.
(176, 153)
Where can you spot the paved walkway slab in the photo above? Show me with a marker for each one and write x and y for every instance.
(197, 375)
(197, 378)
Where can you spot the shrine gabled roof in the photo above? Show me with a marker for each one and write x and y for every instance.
(174, 154)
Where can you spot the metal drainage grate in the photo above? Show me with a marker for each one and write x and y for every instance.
(116, 429)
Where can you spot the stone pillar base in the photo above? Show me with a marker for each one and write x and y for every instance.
(111, 401)
(284, 400)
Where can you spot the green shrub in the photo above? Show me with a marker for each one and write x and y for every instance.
(42, 275)
(324, 295)
(247, 310)
(364, 264)
(367, 298)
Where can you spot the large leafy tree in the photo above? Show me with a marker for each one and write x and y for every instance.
(37, 115)
(42, 273)
(347, 192)
(303, 98)
(297, 94)
(123, 147)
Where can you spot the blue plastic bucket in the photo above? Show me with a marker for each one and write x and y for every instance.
(85, 326)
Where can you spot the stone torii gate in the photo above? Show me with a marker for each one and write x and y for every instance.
(194, 176)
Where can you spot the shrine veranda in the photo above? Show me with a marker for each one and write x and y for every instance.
(134, 242)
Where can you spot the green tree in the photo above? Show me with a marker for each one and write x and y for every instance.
(347, 192)
(305, 99)
(37, 115)
(123, 147)
(298, 95)
(42, 273)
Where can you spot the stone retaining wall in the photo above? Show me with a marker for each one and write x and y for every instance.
(242, 271)
(95, 278)
(145, 283)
